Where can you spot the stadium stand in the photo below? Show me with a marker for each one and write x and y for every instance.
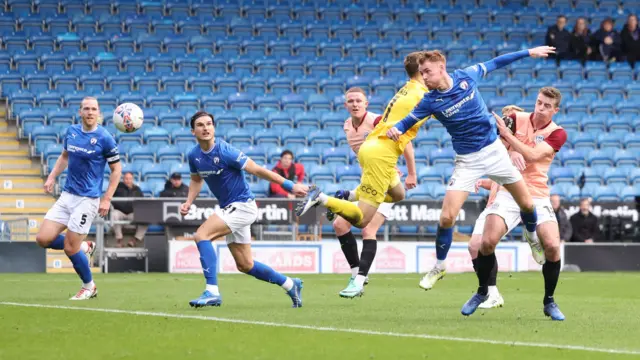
(264, 67)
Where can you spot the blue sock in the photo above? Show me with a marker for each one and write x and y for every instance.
(58, 243)
(263, 272)
(81, 265)
(444, 237)
(209, 262)
(530, 220)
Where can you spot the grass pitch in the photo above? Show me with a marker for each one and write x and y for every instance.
(146, 316)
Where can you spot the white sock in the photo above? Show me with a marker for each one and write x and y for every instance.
(360, 280)
(441, 264)
(352, 195)
(89, 285)
(84, 247)
(213, 289)
(493, 290)
(323, 198)
(354, 272)
(288, 284)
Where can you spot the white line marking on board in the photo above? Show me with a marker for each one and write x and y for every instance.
(333, 329)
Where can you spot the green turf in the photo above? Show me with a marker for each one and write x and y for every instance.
(601, 310)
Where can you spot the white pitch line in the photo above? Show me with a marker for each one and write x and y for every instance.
(333, 329)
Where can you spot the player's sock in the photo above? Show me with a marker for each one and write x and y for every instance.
(551, 273)
(263, 272)
(57, 243)
(353, 195)
(209, 263)
(84, 247)
(444, 236)
(530, 220)
(493, 277)
(81, 266)
(485, 264)
(350, 249)
(369, 248)
(348, 210)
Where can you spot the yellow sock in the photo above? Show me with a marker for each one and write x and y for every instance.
(348, 210)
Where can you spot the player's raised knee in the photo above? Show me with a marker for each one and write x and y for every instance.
(552, 253)
(341, 226)
(244, 266)
(44, 240)
(447, 219)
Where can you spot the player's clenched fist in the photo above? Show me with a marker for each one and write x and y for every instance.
(48, 186)
(184, 208)
(300, 190)
(394, 134)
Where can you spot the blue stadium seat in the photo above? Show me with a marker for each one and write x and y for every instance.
(321, 138)
(632, 141)
(38, 83)
(616, 175)
(308, 155)
(152, 171)
(21, 100)
(267, 137)
(442, 156)
(623, 157)
(610, 140)
(279, 120)
(559, 175)
(601, 157)
(605, 193)
(627, 107)
(156, 135)
(202, 84)
(292, 137)
(629, 193)
(321, 172)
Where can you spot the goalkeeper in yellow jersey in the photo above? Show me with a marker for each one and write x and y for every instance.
(380, 182)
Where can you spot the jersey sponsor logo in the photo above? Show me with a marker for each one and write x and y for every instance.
(456, 108)
(94, 141)
(369, 190)
(464, 85)
(211, 172)
(73, 148)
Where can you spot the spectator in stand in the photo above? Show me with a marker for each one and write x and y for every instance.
(606, 42)
(584, 224)
(631, 40)
(288, 170)
(174, 187)
(123, 210)
(560, 38)
(563, 221)
(580, 45)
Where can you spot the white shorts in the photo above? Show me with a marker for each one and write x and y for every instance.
(75, 212)
(385, 209)
(478, 228)
(239, 216)
(492, 161)
(507, 208)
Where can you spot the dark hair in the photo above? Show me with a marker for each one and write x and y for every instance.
(286, 152)
(198, 115)
(561, 16)
(411, 63)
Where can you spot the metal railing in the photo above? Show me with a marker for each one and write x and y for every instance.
(14, 230)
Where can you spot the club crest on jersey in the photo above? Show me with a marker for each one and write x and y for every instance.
(464, 85)
(216, 160)
(539, 139)
(94, 141)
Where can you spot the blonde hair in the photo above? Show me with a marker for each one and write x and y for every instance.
(511, 108)
(552, 93)
(433, 56)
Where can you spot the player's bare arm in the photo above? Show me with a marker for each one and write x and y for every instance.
(58, 168)
(265, 174)
(409, 156)
(194, 189)
(114, 179)
(529, 153)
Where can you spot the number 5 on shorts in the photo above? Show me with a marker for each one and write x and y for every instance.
(83, 220)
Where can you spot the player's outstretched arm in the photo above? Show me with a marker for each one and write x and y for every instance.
(421, 111)
(254, 169)
(410, 159)
(194, 189)
(114, 179)
(506, 59)
(530, 154)
(58, 168)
